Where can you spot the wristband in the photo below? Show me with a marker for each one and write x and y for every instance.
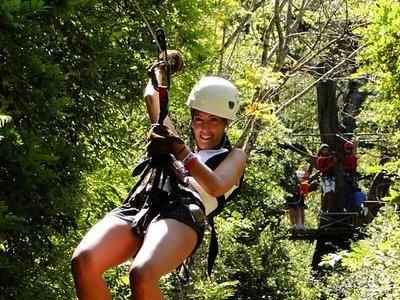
(188, 157)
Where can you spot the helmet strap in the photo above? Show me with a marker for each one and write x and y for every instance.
(224, 143)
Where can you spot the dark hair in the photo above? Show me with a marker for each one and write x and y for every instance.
(224, 143)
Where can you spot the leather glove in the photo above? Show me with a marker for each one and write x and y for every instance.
(163, 140)
(175, 61)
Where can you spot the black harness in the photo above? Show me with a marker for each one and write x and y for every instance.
(213, 163)
(158, 189)
(152, 200)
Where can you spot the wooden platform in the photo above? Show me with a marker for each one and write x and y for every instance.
(338, 220)
(331, 226)
(324, 234)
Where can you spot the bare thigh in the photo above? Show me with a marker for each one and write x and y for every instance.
(167, 244)
(109, 243)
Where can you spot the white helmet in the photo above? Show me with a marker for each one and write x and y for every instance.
(301, 174)
(215, 95)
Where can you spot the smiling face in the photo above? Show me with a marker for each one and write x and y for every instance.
(208, 129)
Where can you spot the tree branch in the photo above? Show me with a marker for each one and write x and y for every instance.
(241, 25)
(309, 87)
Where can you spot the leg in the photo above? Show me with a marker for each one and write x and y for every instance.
(167, 244)
(298, 217)
(301, 216)
(107, 244)
(330, 201)
(324, 202)
(292, 216)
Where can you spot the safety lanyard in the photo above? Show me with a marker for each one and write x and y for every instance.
(159, 39)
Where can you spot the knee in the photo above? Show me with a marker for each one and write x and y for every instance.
(141, 276)
(82, 261)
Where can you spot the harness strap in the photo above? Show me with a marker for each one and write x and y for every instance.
(155, 170)
(143, 170)
(213, 248)
(163, 98)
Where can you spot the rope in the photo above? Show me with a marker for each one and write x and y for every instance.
(159, 39)
(148, 25)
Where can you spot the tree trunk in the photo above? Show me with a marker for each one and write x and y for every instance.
(328, 122)
(327, 112)
(352, 104)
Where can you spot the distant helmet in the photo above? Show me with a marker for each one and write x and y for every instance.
(215, 95)
(301, 174)
(348, 146)
(323, 146)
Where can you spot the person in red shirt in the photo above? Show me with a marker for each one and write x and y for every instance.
(350, 175)
(325, 163)
(296, 203)
(350, 159)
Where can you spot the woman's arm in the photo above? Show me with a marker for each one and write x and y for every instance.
(151, 97)
(224, 177)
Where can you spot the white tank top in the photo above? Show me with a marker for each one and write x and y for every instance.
(210, 203)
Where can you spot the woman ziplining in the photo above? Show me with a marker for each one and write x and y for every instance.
(161, 223)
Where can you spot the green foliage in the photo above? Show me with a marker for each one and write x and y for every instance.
(3, 120)
(66, 81)
(380, 60)
(371, 269)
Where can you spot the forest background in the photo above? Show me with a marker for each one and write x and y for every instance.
(73, 126)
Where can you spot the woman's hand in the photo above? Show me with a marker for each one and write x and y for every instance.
(159, 68)
(151, 95)
(175, 60)
(163, 140)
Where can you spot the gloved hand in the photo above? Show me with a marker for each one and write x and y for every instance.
(162, 140)
(175, 61)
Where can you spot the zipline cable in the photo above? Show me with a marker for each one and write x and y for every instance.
(148, 25)
(335, 134)
(159, 39)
